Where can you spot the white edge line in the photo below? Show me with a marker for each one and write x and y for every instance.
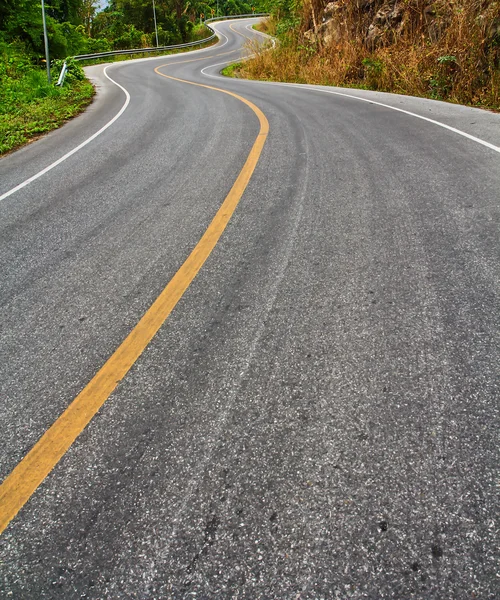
(250, 29)
(230, 61)
(407, 112)
(215, 46)
(79, 147)
(227, 62)
(97, 133)
(401, 110)
(218, 33)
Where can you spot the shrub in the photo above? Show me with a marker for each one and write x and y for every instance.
(446, 50)
(74, 71)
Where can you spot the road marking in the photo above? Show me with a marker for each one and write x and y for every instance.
(238, 33)
(82, 145)
(227, 62)
(401, 110)
(97, 133)
(250, 30)
(181, 62)
(22, 482)
(203, 71)
(406, 112)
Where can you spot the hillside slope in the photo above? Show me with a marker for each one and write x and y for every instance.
(443, 49)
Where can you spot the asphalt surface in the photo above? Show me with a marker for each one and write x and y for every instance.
(318, 417)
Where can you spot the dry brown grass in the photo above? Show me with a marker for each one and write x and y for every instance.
(444, 49)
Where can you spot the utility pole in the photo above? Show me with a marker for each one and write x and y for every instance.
(156, 28)
(46, 41)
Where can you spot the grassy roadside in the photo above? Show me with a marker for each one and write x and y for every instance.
(31, 107)
(461, 66)
(28, 120)
(236, 70)
(233, 70)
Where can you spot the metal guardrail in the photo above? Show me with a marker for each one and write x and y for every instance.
(62, 74)
(64, 69)
(227, 17)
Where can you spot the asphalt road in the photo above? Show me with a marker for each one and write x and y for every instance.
(318, 416)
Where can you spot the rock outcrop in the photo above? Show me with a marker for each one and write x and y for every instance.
(378, 19)
(377, 22)
(388, 19)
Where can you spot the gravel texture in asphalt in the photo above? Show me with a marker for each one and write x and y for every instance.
(318, 417)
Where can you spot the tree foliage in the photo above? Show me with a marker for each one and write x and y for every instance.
(77, 26)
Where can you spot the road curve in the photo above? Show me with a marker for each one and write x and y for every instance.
(318, 415)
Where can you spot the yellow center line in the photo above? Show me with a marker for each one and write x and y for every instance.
(239, 33)
(29, 473)
(181, 62)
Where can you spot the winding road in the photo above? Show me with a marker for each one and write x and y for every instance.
(250, 342)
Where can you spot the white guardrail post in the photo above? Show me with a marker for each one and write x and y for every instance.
(62, 74)
(64, 69)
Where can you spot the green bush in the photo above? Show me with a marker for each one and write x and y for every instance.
(72, 40)
(29, 105)
(131, 38)
(74, 71)
(98, 45)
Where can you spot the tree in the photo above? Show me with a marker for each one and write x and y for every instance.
(86, 12)
(64, 11)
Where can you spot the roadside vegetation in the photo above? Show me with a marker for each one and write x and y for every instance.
(442, 49)
(29, 104)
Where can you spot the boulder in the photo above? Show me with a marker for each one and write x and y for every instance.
(389, 18)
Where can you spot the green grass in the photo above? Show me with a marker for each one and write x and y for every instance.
(31, 116)
(231, 70)
(29, 105)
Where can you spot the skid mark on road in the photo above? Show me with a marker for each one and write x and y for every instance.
(22, 482)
